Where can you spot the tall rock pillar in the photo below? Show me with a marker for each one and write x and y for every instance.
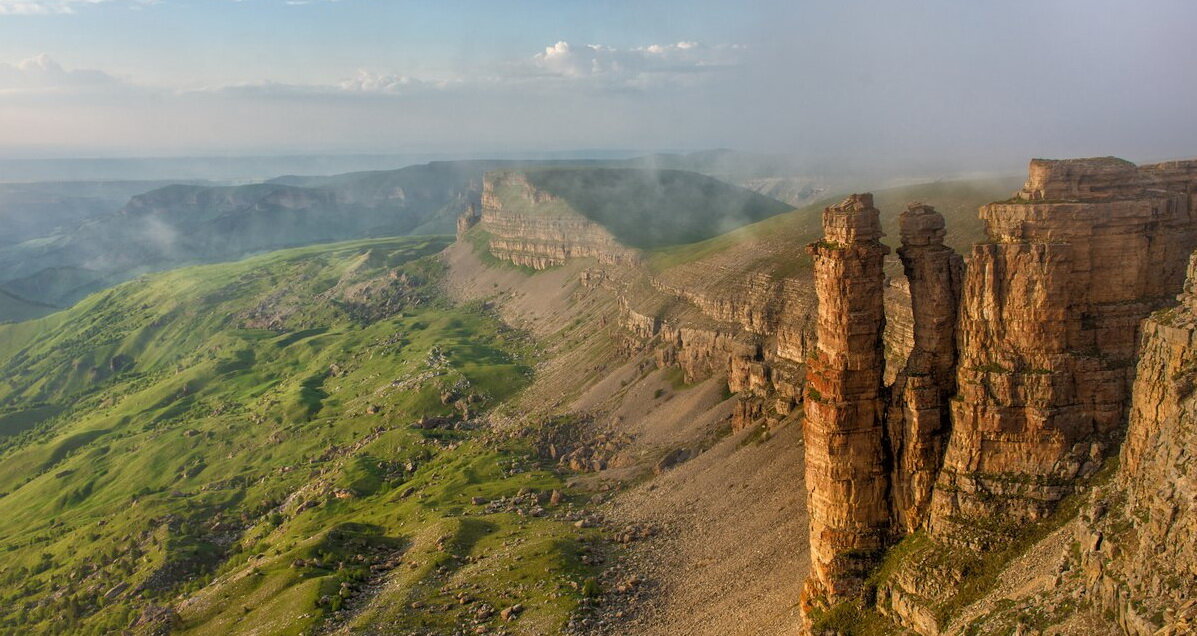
(847, 476)
(919, 418)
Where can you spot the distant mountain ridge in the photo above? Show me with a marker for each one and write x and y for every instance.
(182, 224)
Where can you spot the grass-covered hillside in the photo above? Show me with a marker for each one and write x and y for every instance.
(778, 243)
(282, 445)
(654, 208)
(185, 224)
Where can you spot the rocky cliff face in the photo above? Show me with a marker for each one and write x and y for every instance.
(1005, 405)
(1048, 327)
(846, 458)
(533, 228)
(918, 421)
(995, 391)
(1138, 559)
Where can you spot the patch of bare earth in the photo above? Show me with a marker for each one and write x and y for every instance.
(731, 547)
(709, 529)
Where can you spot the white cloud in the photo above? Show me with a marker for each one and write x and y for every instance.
(43, 73)
(368, 82)
(638, 67)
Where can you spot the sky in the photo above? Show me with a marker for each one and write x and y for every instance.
(928, 82)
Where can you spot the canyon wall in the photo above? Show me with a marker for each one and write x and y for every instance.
(1048, 328)
(1138, 559)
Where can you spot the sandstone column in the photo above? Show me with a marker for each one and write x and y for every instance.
(919, 418)
(847, 476)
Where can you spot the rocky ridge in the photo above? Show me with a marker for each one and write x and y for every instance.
(533, 228)
(1031, 349)
(1039, 390)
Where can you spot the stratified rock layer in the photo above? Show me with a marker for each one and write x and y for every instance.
(919, 416)
(533, 228)
(1048, 327)
(846, 473)
(1138, 554)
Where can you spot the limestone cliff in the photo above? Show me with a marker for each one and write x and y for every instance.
(846, 478)
(1048, 327)
(1047, 335)
(952, 405)
(536, 229)
(1138, 560)
(918, 420)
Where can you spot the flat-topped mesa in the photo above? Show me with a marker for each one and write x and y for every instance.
(846, 474)
(536, 229)
(918, 419)
(1049, 322)
(1080, 179)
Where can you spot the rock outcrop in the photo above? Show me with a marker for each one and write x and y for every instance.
(1138, 549)
(1016, 389)
(1048, 328)
(918, 421)
(846, 456)
(533, 228)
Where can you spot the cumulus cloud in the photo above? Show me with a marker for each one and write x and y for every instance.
(367, 82)
(635, 67)
(43, 73)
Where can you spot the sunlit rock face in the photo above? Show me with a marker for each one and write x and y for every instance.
(1137, 538)
(846, 475)
(918, 418)
(1048, 327)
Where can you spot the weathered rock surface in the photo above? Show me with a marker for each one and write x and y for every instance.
(1138, 558)
(846, 476)
(533, 228)
(1048, 327)
(918, 419)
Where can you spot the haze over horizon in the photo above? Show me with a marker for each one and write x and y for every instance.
(940, 84)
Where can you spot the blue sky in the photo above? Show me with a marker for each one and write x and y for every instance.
(985, 82)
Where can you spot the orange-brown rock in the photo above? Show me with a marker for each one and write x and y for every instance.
(1048, 327)
(1138, 557)
(919, 420)
(847, 476)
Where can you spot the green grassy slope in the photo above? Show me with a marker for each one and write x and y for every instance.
(231, 449)
(786, 234)
(655, 208)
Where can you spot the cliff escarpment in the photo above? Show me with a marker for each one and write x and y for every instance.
(1010, 404)
(955, 411)
(1137, 535)
(1048, 329)
(533, 228)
